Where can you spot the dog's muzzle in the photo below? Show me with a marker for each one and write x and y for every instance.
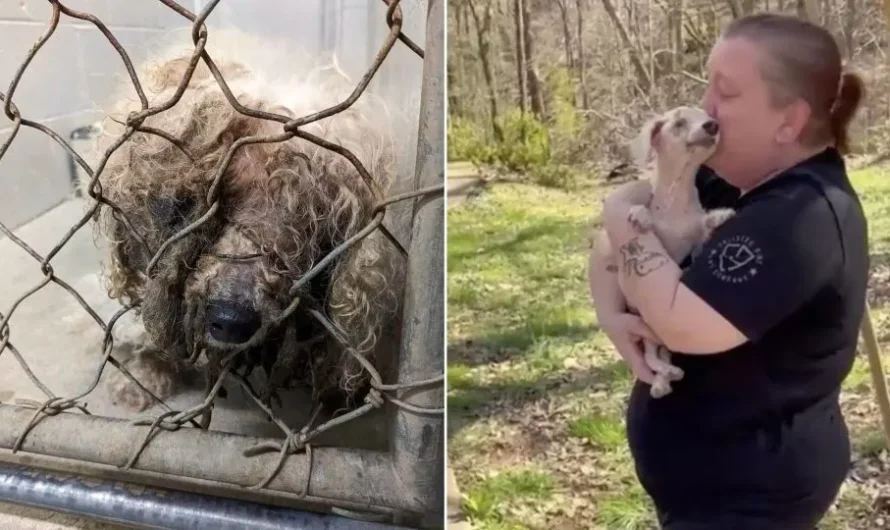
(231, 323)
(705, 141)
(706, 136)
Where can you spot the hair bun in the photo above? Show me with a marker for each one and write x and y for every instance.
(849, 95)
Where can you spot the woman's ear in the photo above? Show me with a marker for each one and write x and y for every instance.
(642, 148)
(794, 120)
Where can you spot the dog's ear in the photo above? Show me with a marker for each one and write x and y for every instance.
(642, 148)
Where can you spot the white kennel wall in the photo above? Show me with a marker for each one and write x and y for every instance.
(72, 75)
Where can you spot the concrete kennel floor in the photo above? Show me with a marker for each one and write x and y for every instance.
(62, 345)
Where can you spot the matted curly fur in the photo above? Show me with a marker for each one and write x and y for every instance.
(282, 208)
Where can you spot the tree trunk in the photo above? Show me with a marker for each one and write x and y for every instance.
(566, 33)
(582, 80)
(808, 10)
(483, 28)
(521, 73)
(535, 86)
(635, 59)
(849, 28)
(677, 66)
(453, 67)
(734, 8)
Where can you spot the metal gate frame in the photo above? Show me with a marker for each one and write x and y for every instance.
(72, 462)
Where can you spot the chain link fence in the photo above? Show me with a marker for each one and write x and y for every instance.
(176, 449)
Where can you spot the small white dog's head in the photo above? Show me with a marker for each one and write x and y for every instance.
(686, 135)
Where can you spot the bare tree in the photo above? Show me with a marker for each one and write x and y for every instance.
(566, 33)
(483, 28)
(579, 6)
(521, 61)
(808, 10)
(627, 59)
(535, 88)
(734, 8)
(643, 77)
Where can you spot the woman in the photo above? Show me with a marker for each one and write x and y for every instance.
(765, 320)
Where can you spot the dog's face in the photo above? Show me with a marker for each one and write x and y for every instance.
(684, 135)
(281, 208)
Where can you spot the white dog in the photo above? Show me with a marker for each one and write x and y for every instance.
(676, 143)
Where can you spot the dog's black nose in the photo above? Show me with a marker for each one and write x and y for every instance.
(230, 322)
(711, 127)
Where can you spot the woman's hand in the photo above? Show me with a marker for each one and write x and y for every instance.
(627, 331)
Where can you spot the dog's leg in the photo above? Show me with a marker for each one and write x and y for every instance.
(674, 373)
(714, 219)
(661, 385)
(156, 372)
(641, 218)
(658, 359)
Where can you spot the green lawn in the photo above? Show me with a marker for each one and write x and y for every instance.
(536, 393)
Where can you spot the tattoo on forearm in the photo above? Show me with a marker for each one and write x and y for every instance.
(639, 260)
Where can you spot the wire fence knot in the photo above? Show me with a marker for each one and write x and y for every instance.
(374, 398)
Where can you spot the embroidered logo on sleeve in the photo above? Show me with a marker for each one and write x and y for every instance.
(735, 259)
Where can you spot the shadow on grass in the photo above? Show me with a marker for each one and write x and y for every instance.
(516, 343)
(470, 401)
(571, 233)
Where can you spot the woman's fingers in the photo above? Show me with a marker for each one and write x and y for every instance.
(632, 354)
(639, 328)
(627, 331)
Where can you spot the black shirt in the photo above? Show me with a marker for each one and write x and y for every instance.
(757, 429)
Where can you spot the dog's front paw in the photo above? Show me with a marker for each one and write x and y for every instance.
(641, 218)
(717, 217)
(151, 373)
(660, 386)
(672, 372)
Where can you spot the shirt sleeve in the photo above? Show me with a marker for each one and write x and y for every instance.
(768, 260)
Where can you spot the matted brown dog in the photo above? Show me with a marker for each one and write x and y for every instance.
(283, 206)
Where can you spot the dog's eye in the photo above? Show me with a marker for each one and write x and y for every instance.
(680, 123)
(172, 211)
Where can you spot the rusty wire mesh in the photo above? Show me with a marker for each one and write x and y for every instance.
(294, 441)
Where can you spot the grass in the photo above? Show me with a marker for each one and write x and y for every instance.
(627, 510)
(536, 393)
(870, 443)
(486, 501)
(602, 431)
